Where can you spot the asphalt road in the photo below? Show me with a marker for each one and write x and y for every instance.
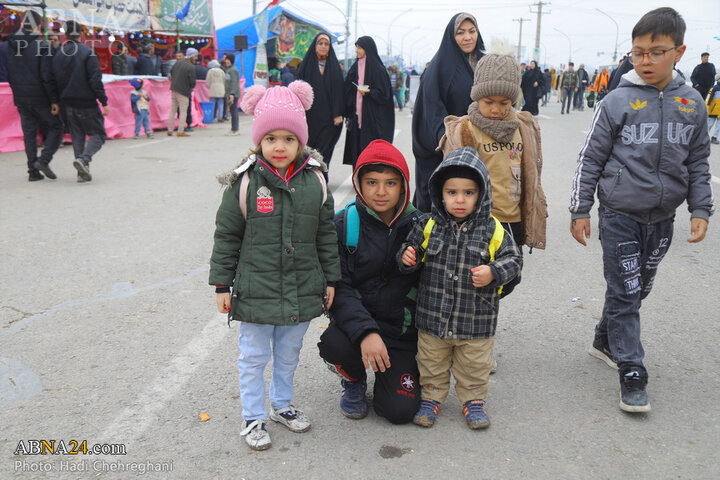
(109, 334)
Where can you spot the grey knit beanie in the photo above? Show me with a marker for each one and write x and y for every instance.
(496, 75)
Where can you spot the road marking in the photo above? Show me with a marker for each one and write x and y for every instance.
(397, 132)
(342, 191)
(133, 420)
(146, 144)
(716, 179)
(544, 116)
(584, 132)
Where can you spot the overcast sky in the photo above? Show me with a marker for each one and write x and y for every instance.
(419, 31)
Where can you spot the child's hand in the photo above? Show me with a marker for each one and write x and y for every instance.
(580, 229)
(330, 292)
(374, 353)
(223, 302)
(698, 229)
(408, 257)
(482, 276)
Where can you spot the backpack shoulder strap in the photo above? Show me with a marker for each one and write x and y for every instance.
(495, 243)
(244, 182)
(352, 228)
(496, 239)
(322, 183)
(426, 235)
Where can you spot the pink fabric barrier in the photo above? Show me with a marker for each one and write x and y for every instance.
(120, 122)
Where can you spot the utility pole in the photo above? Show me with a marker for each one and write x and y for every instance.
(254, 7)
(539, 12)
(521, 20)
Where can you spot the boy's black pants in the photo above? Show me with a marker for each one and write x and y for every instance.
(396, 395)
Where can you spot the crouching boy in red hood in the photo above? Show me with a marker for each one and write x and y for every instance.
(372, 316)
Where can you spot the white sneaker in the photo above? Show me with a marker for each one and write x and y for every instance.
(232, 133)
(256, 435)
(293, 418)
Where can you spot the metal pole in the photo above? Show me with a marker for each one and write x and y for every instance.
(569, 41)
(389, 41)
(521, 20)
(617, 32)
(347, 34)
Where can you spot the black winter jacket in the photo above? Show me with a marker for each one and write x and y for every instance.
(144, 65)
(76, 71)
(28, 70)
(366, 299)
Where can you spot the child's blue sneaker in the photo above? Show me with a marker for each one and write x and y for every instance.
(353, 403)
(427, 413)
(475, 414)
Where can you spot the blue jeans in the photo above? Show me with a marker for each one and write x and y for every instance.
(257, 344)
(398, 98)
(716, 121)
(579, 98)
(632, 252)
(567, 97)
(218, 106)
(142, 118)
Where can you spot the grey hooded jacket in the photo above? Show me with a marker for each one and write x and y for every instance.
(646, 152)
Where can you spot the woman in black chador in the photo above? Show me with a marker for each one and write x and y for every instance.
(532, 83)
(444, 90)
(369, 106)
(320, 68)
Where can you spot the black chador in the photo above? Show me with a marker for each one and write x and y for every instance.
(329, 101)
(377, 119)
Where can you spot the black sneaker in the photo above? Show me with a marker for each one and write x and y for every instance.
(83, 169)
(633, 397)
(600, 349)
(44, 167)
(189, 129)
(34, 176)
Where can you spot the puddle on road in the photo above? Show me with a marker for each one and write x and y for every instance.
(388, 451)
(17, 381)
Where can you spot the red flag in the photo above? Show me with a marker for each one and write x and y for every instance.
(273, 3)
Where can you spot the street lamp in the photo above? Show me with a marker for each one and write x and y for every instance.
(402, 42)
(617, 32)
(389, 48)
(570, 41)
(347, 27)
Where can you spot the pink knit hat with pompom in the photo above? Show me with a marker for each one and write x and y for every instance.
(278, 108)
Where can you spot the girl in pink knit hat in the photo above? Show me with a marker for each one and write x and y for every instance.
(276, 246)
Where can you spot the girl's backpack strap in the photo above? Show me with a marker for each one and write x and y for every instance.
(244, 182)
(322, 183)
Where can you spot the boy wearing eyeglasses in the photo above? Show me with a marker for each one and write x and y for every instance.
(646, 152)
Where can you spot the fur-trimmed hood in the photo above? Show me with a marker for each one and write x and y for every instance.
(228, 178)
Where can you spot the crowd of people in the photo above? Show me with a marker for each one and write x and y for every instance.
(413, 288)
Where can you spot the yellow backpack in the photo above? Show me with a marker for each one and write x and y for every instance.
(495, 241)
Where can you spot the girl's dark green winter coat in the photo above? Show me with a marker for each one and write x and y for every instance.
(278, 262)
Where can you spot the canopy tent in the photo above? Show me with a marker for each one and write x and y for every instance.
(289, 36)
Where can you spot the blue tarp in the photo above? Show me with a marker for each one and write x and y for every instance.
(226, 42)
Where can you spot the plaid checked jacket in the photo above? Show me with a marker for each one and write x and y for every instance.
(448, 305)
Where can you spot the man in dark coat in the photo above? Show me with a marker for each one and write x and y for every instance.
(288, 74)
(79, 80)
(583, 80)
(444, 90)
(372, 314)
(34, 93)
(144, 64)
(156, 59)
(369, 110)
(703, 76)
(119, 64)
(320, 68)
